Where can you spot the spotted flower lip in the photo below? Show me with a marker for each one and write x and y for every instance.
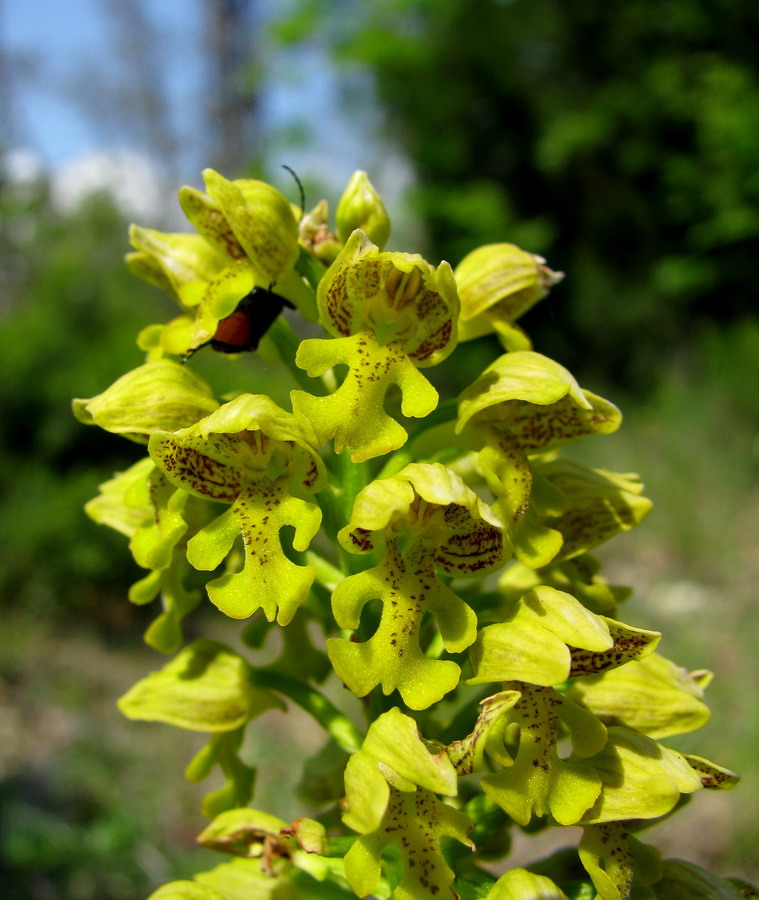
(253, 455)
(390, 786)
(390, 315)
(426, 519)
(539, 781)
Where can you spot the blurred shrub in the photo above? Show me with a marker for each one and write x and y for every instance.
(618, 140)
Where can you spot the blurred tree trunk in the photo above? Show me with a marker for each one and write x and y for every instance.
(143, 107)
(233, 105)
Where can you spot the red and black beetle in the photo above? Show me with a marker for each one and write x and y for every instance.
(253, 316)
(243, 329)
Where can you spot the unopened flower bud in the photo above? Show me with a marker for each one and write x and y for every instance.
(497, 283)
(315, 235)
(361, 207)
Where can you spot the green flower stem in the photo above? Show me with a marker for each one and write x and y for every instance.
(435, 647)
(311, 269)
(286, 343)
(352, 477)
(324, 890)
(445, 412)
(334, 722)
(327, 575)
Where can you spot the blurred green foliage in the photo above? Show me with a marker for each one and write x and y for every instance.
(70, 311)
(619, 140)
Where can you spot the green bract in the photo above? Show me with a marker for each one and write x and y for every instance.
(538, 782)
(448, 585)
(159, 396)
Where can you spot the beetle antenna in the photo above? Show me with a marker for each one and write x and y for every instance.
(300, 188)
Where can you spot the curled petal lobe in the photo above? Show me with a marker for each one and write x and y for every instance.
(468, 754)
(628, 644)
(354, 415)
(713, 777)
